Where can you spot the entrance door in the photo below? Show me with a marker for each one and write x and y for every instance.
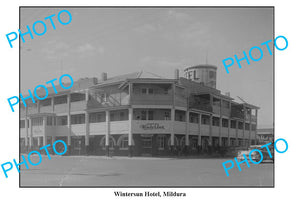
(147, 141)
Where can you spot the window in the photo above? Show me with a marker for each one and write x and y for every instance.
(46, 102)
(22, 124)
(144, 115)
(97, 117)
(49, 121)
(122, 116)
(78, 119)
(112, 116)
(241, 125)
(224, 122)
(233, 124)
(194, 118)
(144, 90)
(216, 121)
(216, 102)
(167, 115)
(119, 115)
(123, 143)
(61, 120)
(77, 97)
(212, 74)
(60, 99)
(150, 115)
(150, 91)
(205, 119)
(147, 91)
(162, 142)
(37, 121)
(166, 91)
(179, 115)
(247, 126)
(253, 127)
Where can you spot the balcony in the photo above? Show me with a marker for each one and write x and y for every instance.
(113, 100)
(78, 106)
(201, 106)
(151, 99)
(237, 114)
(46, 109)
(32, 109)
(60, 108)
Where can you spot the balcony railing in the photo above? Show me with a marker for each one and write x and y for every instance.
(152, 99)
(201, 106)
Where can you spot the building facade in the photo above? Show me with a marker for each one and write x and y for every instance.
(139, 114)
(265, 135)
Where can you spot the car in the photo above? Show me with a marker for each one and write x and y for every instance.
(255, 156)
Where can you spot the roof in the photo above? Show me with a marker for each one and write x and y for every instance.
(135, 75)
(201, 66)
(78, 85)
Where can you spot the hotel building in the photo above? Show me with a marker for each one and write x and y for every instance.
(140, 114)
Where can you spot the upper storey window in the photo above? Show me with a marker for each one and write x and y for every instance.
(61, 99)
(77, 97)
(147, 91)
(46, 102)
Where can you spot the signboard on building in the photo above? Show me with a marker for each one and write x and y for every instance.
(151, 126)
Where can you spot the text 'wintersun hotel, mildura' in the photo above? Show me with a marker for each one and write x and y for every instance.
(149, 194)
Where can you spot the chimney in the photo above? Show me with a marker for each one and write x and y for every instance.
(95, 80)
(103, 76)
(176, 74)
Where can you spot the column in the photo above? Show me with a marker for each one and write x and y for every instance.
(87, 132)
(250, 126)
(199, 129)
(172, 138)
(130, 140)
(52, 104)
(30, 133)
(172, 128)
(221, 122)
(70, 151)
(44, 130)
(130, 92)
(236, 130)
(228, 138)
(245, 113)
(210, 130)
(26, 130)
(229, 125)
(256, 114)
(87, 124)
(38, 106)
(39, 141)
(107, 131)
(187, 128)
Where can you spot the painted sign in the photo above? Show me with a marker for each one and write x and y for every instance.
(151, 126)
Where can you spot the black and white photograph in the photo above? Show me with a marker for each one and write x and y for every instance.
(139, 96)
(149, 106)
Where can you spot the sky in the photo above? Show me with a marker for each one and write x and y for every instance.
(157, 40)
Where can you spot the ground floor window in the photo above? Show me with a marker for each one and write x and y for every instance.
(123, 142)
(112, 142)
(162, 142)
(194, 142)
(77, 143)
